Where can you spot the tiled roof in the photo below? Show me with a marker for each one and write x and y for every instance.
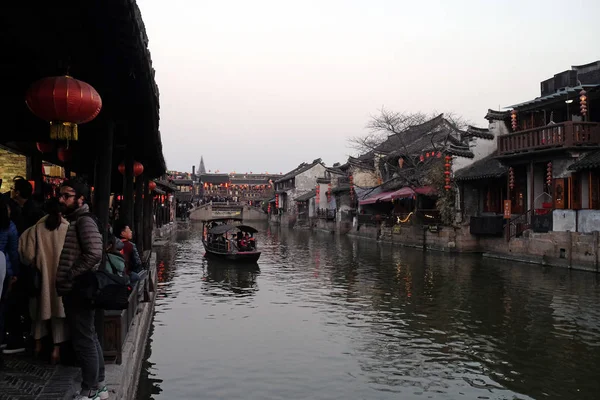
(182, 182)
(568, 92)
(362, 163)
(488, 167)
(298, 170)
(306, 196)
(213, 178)
(340, 189)
(242, 181)
(168, 187)
(590, 161)
(483, 133)
(460, 151)
(493, 115)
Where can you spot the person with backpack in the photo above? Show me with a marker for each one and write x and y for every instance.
(81, 255)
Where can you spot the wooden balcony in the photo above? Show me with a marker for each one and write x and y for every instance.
(564, 135)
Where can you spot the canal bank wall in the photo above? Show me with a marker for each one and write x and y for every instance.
(122, 378)
(573, 250)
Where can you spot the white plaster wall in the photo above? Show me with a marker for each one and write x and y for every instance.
(311, 208)
(588, 221)
(304, 183)
(481, 148)
(564, 220)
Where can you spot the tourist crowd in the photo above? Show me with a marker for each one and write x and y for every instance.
(46, 250)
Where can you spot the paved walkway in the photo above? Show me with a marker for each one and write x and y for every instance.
(25, 378)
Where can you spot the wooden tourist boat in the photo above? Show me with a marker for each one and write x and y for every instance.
(229, 239)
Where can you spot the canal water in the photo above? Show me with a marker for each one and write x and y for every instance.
(326, 317)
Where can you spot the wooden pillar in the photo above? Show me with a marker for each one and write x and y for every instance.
(507, 220)
(127, 203)
(148, 216)
(138, 213)
(103, 176)
(102, 189)
(532, 183)
(34, 171)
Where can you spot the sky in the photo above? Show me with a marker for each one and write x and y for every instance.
(264, 85)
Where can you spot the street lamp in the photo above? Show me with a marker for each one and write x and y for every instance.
(568, 101)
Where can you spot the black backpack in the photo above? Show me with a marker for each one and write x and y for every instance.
(102, 289)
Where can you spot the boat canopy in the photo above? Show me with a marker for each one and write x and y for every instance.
(221, 229)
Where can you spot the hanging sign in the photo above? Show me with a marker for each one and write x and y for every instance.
(507, 209)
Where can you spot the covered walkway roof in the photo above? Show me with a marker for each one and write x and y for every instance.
(101, 43)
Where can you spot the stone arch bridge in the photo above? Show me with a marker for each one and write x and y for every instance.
(225, 210)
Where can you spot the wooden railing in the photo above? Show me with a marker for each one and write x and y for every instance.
(565, 134)
(520, 223)
(117, 323)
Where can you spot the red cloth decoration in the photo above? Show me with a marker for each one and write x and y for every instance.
(45, 147)
(64, 154)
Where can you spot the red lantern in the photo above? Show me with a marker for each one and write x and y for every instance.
(151, 186)
(64, 102)
(427, 154)
(138, 168)
(513, 119)
(45, 147)
(421, 158)
(439, 154)
(64, 154)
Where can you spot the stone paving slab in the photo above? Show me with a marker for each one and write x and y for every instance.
(26, 378)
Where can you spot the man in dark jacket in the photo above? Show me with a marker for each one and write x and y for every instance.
(81, 254)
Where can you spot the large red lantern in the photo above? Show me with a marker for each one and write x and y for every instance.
(138, 168)
(64, 154)
(64, 102)
(45, 147)
(151, 185)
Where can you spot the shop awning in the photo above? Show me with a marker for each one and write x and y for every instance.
(399, 194)
(375, 198)
(426, 191)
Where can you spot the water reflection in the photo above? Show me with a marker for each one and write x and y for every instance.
(337, 317)
(223, 277)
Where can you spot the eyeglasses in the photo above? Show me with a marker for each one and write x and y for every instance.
(65, 196)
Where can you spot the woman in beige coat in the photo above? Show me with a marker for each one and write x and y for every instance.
(41, 245)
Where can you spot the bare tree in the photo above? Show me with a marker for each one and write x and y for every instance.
(388, 124)
(381, 126)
